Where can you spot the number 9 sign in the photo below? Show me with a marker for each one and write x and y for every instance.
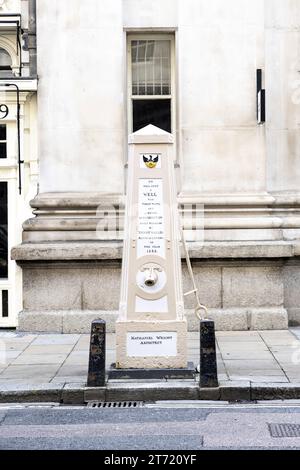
(3, 111)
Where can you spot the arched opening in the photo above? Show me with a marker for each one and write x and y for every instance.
(5, 64)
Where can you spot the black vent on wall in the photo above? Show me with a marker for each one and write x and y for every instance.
(5, 303)
(261, 98)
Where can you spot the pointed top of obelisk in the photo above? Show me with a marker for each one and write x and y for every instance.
(150, 134)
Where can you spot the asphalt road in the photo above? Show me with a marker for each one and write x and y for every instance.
(161, 426)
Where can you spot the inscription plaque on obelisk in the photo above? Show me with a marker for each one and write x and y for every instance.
(151, 328)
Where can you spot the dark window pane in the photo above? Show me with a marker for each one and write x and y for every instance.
(3, 153)
(156, 112)
(3, 232)
(4, 303)
(5, 59)
(2, 132)
(6, 72)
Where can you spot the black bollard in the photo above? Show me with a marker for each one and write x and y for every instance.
(208, 357)
(96, 374)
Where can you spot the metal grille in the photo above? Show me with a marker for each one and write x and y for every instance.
(115, 404)
(151, 67)
(284, 430)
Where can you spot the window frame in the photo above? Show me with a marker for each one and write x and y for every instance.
(4, 141)
(8, 44)
(13, 280)
(130, 97)
(6, 68)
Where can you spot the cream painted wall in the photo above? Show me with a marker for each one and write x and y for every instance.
(150, 14)
(283, 94)
(10, 6)
(80, 66)
(219, 49)
(219, 46)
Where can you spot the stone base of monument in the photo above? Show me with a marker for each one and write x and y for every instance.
(151, 344)
(188, 372)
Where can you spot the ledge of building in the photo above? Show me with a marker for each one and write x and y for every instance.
(112, 250)
(79, 321)
(94, 199)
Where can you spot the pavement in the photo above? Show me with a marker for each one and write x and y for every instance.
(252, 365)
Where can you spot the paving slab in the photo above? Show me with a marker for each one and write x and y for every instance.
(55, 339)
(238, 339)
(81, 353)
(282, 348)
(283, 343)
(295, 331)
(237, 334)
(84, 345)
(193, 334)
(292, 373)
(285, 361)
(78, 361)
(7, 357)
(13, 346)
(259, 372)
(49, 349)
(111, 343)
(246, 356)
(28, 372)
(72, 370)
(260, 378)
(250, 346)
(274, 333)
(23, 381)
(257, 364)
(70, 379)
(293, 379)
(39, 359)
(276, 336)
(12, 336)
(222, 376)
(13, 386)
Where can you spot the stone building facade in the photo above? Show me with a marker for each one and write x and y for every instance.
(18, 144)
(199, 70)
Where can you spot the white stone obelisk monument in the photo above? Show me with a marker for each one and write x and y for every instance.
(151, 329)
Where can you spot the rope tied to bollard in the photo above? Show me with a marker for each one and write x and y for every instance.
(199, 307)
(208, 362)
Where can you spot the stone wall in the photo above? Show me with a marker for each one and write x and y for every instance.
(241, 293)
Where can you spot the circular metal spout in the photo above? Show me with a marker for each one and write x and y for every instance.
(151, 277)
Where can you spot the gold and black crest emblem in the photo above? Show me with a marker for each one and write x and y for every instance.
(150, 160)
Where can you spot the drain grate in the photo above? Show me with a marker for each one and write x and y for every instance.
(115, 404)
(284, 430)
